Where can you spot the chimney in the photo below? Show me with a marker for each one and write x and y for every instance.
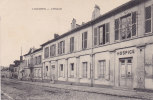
(21, 58)
(96, 12)
(83, 23)
(56, 36)
(73, 24)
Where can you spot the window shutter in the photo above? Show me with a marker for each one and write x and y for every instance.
(95, 36)
(63, 46)
(107, 70)
(82, 41)
(73, 44)
(116, 29)
(80, 70)
(148, 19)
(69, 69)
(58, 48)
(64, 70)
(88, 70)
(85, 40)
(134, 25)
(70, 44)
(107, 32)
(75, 70)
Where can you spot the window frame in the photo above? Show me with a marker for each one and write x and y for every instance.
(103, 39)
(101, 74)
(46, 53)
(53, 50)
(84, 40)
(71, 44)
(61, 47)
(119, 28)
(61, 73)
(72, 71)
(85, 70)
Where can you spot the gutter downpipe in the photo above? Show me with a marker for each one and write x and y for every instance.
(91, 66)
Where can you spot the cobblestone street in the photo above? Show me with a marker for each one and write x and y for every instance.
(23, 91)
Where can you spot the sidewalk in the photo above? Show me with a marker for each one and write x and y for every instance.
(106, 91)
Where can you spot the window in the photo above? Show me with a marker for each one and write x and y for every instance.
(102, 67)
(95, 36)
(46, 68)
(125, 31)
(61, 70)
(53, 50)
(61, 47)
(148, 19)
(104, 34)
(126, 26)
(46, 52)
(39, 60)
(72, 70)
(84, 40)
(84, 69)
(71, 44)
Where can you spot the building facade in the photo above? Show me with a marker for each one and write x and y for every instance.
(33, 65)
(113, 49)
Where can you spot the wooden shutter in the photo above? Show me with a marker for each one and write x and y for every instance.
(58, 48)
(148, 19)
(88, 70)
(63, 47)
(107, 32)
(95, 36)
(64, 68)
(82, 41)
(134, 25)
(107, 70)
(85, 40)
(116, 29)
(72, 44)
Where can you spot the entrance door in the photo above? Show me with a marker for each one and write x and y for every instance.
(126, 72)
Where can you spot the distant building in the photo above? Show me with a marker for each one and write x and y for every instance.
(33, 62)
(5, 72)
(11, 70)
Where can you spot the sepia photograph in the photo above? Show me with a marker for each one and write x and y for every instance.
(76, 49)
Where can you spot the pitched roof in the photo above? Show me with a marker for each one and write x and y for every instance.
(113, 12)
(33, 51)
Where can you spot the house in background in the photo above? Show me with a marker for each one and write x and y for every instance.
(11, 70)
(33, 65)
(5, 72)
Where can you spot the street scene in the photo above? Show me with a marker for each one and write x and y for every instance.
(76, 50)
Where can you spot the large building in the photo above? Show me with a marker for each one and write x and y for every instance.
(113, 49)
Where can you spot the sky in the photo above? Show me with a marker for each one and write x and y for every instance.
(22, 25)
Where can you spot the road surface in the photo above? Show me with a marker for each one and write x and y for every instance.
(14, 90)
